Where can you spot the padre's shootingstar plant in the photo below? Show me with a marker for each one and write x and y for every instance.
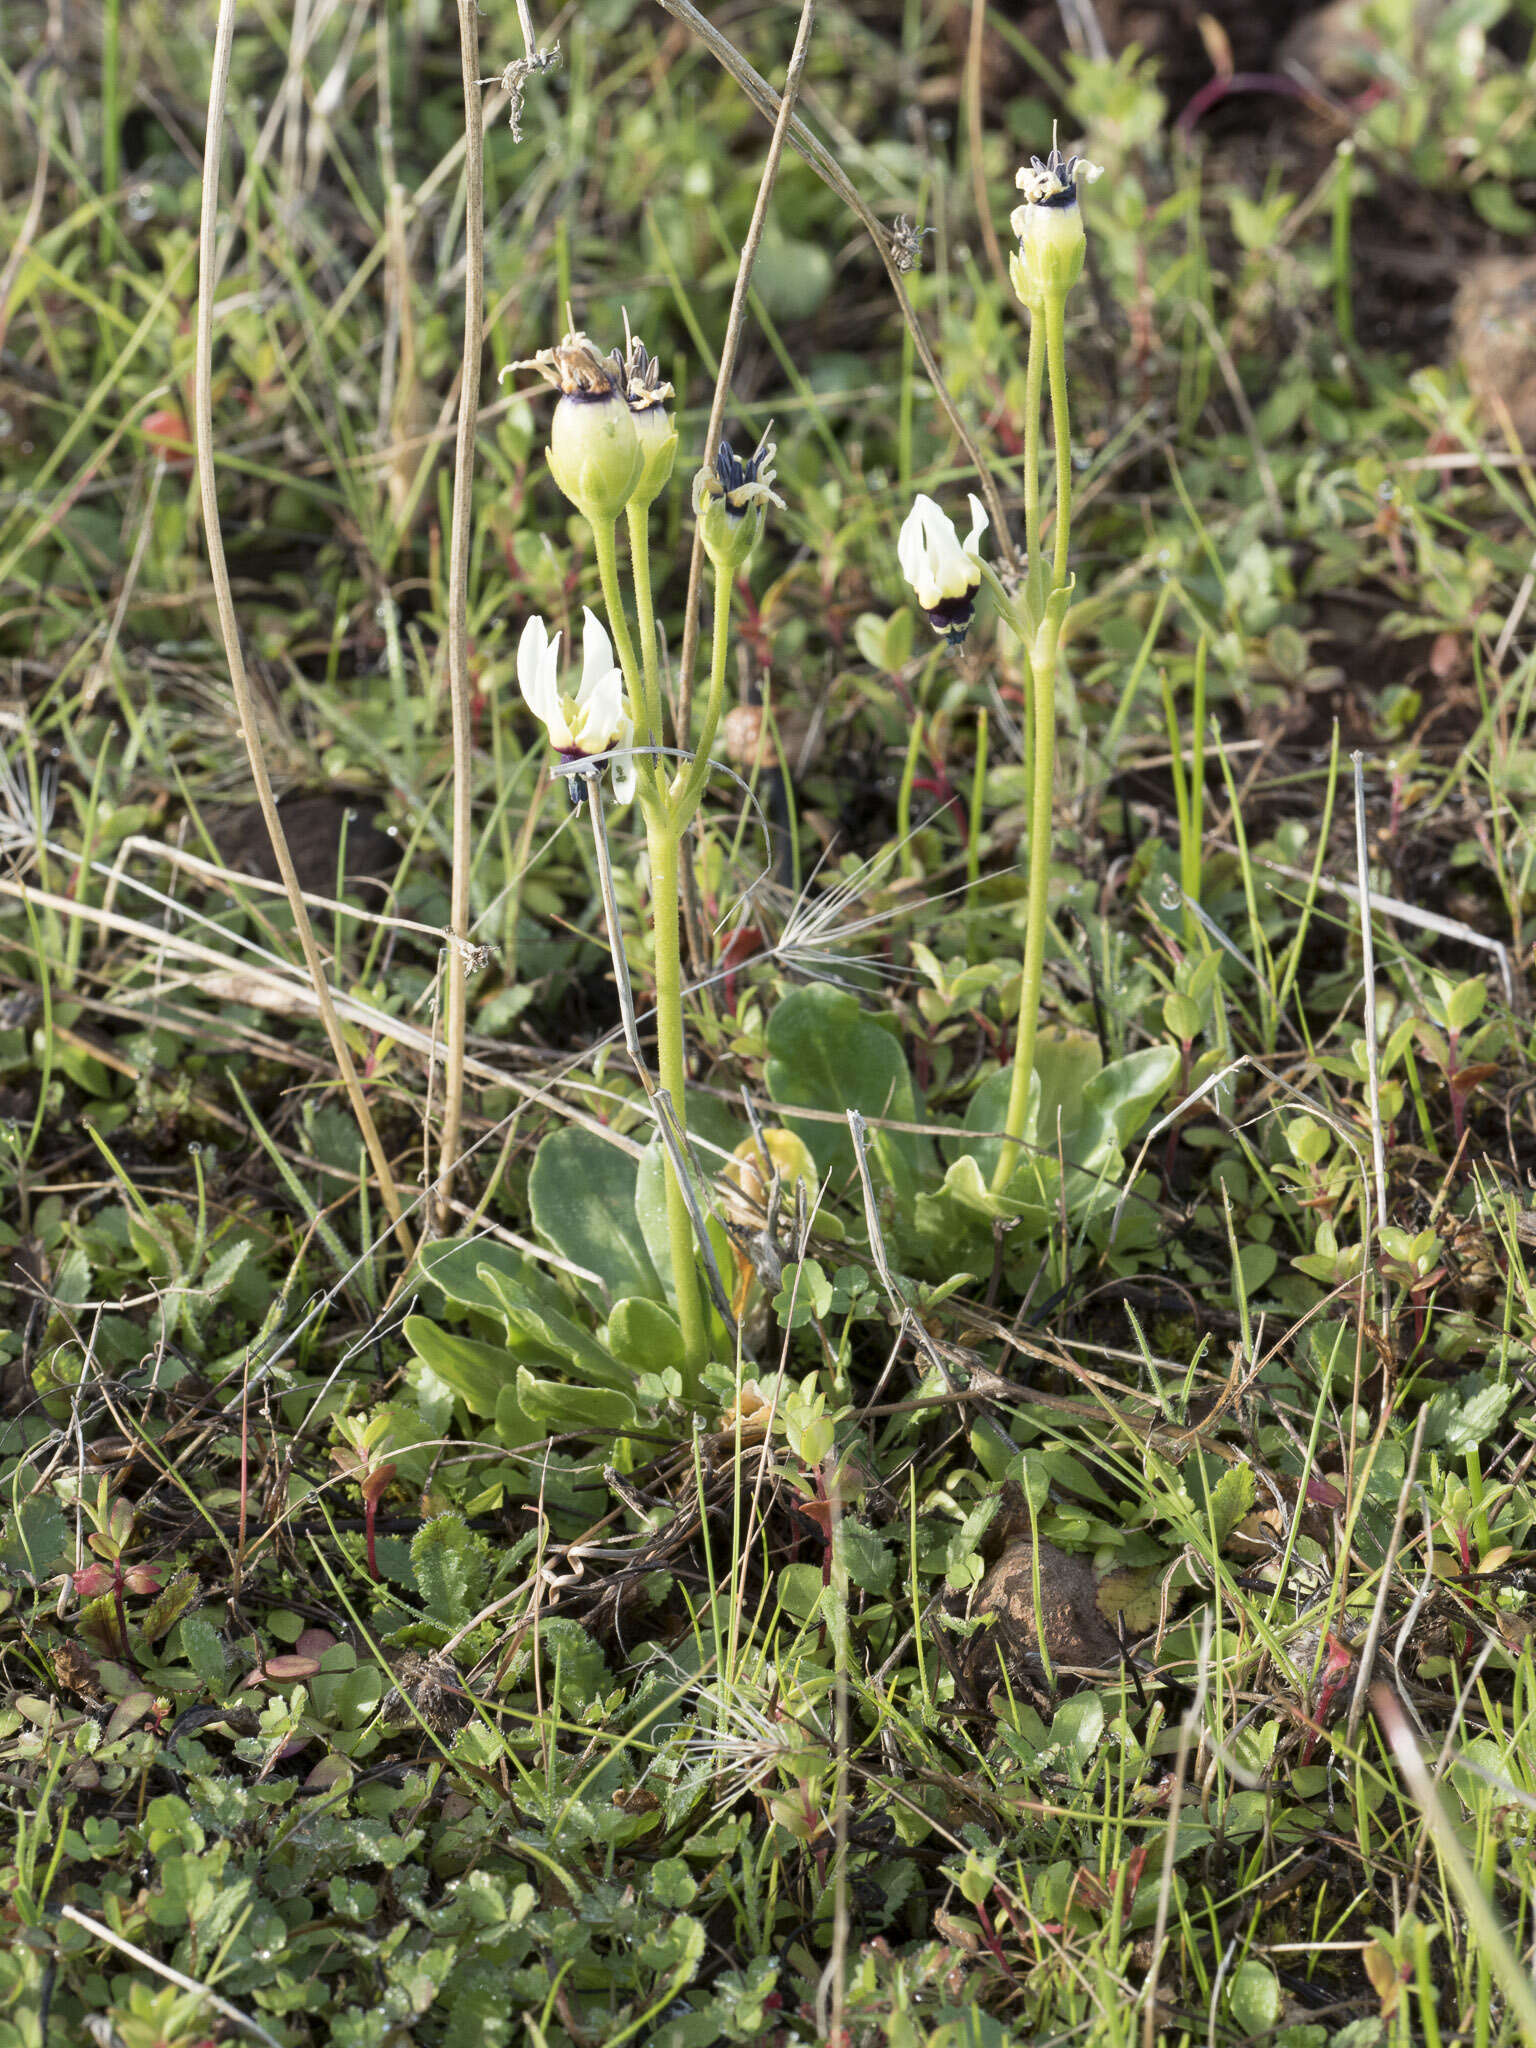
(946, 576)
(612, 448)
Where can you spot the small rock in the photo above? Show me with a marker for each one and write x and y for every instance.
(1077, 1637)
(1493, 331)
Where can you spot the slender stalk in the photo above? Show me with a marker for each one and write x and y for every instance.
(456, 969)
(663, 837)
(218, 571)
(1034, 371)
(1041, 644)
(1043, 698)
(618, 625)
(1056, 353)
(689, 787)
(638, 518)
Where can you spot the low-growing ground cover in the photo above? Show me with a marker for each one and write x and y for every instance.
(812, 1330)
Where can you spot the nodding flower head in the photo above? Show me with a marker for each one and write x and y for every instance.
(731, 501)
(594, 451)
(593, 720)
(1049, 226)
(646, 391)
(944, 574)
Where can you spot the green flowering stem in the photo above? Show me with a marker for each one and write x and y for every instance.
(1056, 351)
(689, 786)
(1042, 638)
(606, 550)
(663, 832)
(638, 517)
(1042, 674)
(662, 837)
(1034, 371)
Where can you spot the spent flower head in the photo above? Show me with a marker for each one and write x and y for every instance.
(647, 392)
(944, 573)
(590, 721)
(594, 452)
(1049, 225)
(731, 500)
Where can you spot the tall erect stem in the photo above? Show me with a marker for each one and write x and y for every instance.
(648, 716)
(662, 837)
(603, 546)
(1056, 355)
(1041, 640)
(456, 969)
(218, 570)
(671, 1062)
(1034, 369)
(1042, 784)
(689, 786)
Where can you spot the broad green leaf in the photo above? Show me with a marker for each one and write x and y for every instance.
(455, 1265)
(582, 1194)
(1129, 1089)
(476, 1372)
(555, 1407)
(1231, 1499)
(1253, 1997)
(644, 1336)
(824, 1053)
(558, 1333)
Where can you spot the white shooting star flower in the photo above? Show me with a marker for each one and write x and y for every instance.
(944, 574)
(594, 720)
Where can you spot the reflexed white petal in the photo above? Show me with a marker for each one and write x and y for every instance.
(538, 669)
(910, 550)
(979, 524)
(596, 653)
(623, 769)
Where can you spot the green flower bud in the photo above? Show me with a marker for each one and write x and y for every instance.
(647, 393)
(731, 502)
(1049, 226)
(594, 451)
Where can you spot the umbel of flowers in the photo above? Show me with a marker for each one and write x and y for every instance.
(612, 448)
(946, 575)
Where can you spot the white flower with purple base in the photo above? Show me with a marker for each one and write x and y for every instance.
(593, 720)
